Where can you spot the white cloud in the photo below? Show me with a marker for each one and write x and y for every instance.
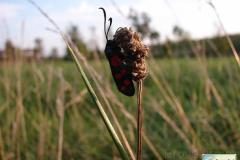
(8, 10)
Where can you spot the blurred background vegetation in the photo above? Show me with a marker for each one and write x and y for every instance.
(190, 100)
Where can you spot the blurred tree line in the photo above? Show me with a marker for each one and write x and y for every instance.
(182, 45)
(12, 52)
(77, 39)
(186, 47)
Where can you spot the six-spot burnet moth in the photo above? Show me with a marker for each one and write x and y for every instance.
(117, 61)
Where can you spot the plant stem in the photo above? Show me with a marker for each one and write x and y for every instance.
(235, 53)
(139, 120)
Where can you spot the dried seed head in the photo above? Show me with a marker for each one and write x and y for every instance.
(130, 42)
(135, 51)
(139, 70)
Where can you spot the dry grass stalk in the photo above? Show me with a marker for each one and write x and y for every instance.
(234, 51)
(6, 83)
(2, 154)
(38, 79)
(174, 126)
(18, 124)
(211, 87)
(42, 137)
(132, 119)
(176, 106)
(60, 112)
(76, 99)
(139, 120)
(49, 84)
(215, 134)
(97, 79)
(117, 123)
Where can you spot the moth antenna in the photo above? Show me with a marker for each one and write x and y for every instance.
(110, 20)
(104, 14)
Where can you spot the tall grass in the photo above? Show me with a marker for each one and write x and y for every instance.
(163, 137)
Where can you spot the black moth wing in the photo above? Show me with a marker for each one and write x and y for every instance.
(125, 84)
(119, 69)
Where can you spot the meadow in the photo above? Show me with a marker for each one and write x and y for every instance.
(191, 106)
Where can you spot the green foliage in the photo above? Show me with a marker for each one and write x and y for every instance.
(183, 47)
(180, 33)
(85, 137)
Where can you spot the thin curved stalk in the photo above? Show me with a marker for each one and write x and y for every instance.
(104, 116)
(139, 120)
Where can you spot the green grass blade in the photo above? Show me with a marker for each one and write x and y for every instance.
(100, 108)
(104, 116)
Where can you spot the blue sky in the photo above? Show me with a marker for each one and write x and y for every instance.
(195, 16)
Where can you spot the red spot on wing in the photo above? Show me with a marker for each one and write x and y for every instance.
(115, 61)
(120, 74)
(122, 71)
(126, 82)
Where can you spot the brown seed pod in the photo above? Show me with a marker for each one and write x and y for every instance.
(135, 51)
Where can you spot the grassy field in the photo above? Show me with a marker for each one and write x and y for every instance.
(190, 107)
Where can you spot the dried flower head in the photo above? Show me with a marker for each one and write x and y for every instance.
(135, 51)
